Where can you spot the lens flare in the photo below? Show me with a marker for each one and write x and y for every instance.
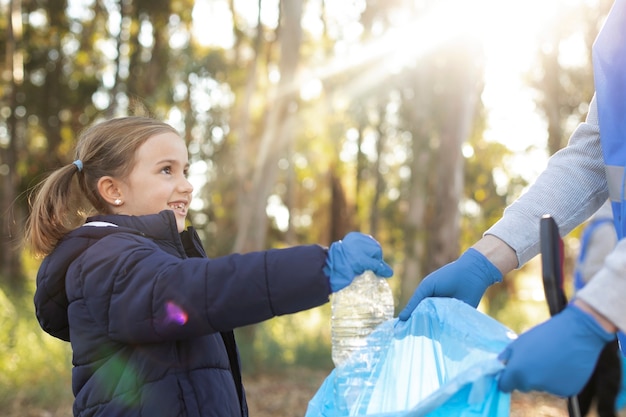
(175, 314)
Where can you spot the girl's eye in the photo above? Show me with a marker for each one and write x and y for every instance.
(167, 170)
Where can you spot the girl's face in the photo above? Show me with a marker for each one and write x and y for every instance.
(158, 181)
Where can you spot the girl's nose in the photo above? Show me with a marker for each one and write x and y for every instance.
(187, 186)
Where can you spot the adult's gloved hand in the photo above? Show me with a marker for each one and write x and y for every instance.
(465, 279)
(557, 356)
(351, 256)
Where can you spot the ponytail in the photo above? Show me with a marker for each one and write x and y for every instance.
(56, 209)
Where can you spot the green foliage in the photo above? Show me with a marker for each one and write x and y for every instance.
(35, 369)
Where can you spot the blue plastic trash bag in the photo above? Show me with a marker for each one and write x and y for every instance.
(440, 362)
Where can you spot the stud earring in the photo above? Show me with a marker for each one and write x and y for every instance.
(117, 201)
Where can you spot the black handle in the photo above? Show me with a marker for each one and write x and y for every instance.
(552, 264)
(552, 270)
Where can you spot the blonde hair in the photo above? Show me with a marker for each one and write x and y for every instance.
(61, 201)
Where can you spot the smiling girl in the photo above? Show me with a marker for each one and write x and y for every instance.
(150, 318)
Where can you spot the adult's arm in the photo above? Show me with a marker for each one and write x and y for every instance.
(571, 188)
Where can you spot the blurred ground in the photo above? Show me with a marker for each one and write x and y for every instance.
(287, 395)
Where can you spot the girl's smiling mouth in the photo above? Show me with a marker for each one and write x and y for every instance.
(179, 207)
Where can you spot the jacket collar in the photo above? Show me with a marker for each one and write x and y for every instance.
(160, 226)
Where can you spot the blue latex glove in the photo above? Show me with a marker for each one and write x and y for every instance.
(557, 356)
(350, 257)
(465, 279)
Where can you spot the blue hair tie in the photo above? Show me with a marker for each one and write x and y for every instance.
(79, 164)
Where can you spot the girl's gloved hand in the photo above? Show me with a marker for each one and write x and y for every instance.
(465, 279)
(557, 356)
(351, 256)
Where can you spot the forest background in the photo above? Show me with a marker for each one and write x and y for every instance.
(304, 119)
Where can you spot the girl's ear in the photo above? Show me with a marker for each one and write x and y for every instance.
(109, 190)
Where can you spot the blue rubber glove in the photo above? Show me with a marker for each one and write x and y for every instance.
(465, 279)
(350, 257)
(557, 356)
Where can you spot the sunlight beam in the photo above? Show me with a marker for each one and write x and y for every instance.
(402, 46)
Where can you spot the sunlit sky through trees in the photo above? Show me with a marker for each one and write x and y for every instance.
(509, 31)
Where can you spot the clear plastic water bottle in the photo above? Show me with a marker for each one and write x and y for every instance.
(357, 310)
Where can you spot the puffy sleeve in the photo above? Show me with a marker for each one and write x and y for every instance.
(145, 294)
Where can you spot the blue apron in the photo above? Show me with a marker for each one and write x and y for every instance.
(585, 241)
(609, 68)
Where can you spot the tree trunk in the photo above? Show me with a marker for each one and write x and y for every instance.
(340, 213)
(12, 214)
(459, 109)
(279, 130)
(419, 123)
(245, 154)
(440, 121)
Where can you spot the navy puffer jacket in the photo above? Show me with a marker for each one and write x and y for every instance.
(150, 317)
